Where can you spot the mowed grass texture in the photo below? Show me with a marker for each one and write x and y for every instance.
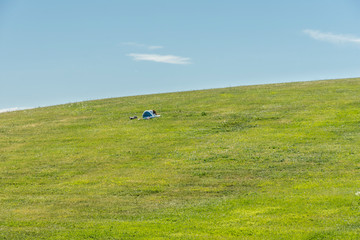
(274, 161)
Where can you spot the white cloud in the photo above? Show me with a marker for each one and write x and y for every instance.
(160, 58)
(331, 37)
(9, 109)
(140, 45)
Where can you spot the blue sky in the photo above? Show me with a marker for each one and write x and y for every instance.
(54, 52)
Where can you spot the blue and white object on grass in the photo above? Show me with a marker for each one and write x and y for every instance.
(148, 114)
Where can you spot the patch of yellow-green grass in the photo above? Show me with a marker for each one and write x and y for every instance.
(273, 161)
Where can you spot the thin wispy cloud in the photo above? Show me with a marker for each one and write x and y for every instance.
(9, 109)
(160, 58)
(154, 47)
(331, 37)
(144, 46)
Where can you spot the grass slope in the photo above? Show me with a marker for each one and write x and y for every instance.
(274, 161)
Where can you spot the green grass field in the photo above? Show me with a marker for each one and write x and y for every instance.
(276, 161)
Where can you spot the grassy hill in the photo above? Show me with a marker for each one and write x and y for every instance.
(276, 161)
